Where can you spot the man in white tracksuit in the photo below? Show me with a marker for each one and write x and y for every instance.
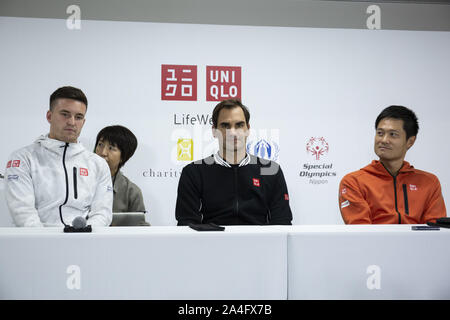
(56, 177)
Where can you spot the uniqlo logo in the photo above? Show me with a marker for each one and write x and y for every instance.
(223, 83)
(8, 165)
(178, 82)
(286, 197)
(16, 163)
(412, 187)
(83, 172)
(256, 182)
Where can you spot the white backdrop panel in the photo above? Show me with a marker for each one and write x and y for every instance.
(297, 82)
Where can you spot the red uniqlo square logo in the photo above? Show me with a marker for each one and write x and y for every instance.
(16, 163)
(8, 165)
(286, 197)
(223, 83)
(178, 82)
(83, 172)
(256, 182)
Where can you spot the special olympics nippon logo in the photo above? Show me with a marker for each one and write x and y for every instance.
(317, 147)
(264, 149)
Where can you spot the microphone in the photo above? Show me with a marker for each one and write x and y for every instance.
(79, 222)
(78, 225)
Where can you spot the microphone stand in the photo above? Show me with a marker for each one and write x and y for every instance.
(70, 229)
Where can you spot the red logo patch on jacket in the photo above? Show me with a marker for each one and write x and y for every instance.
(256, 182)
(16, 163)
(286, 197)
(84, 172)
(8, 165)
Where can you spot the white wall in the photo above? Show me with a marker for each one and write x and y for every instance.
(297, 82)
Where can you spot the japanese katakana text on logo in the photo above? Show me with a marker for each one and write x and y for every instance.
(178, 82)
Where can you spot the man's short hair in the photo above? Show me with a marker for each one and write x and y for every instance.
(410, 122)
(120, 137)
(229, 104)
(68, 92)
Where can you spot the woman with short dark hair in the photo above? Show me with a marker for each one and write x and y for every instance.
(117, 144)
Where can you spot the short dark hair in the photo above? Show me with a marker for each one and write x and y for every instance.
(121, 137)
(229, 104)
(410, 122)
(68, 92)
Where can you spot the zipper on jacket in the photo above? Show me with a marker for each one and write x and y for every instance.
(405, 197)
(395, 194)
(67, 182)
(75, 190)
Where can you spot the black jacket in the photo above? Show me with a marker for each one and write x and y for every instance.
(254, 194)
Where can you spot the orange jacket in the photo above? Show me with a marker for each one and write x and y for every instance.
(372, 195)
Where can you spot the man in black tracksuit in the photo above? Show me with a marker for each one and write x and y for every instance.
(232, 187)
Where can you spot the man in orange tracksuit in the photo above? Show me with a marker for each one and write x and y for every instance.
(390, 190)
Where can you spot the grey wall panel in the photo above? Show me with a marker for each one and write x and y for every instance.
(395, 15)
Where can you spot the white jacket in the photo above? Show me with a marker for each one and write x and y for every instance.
(36, 185)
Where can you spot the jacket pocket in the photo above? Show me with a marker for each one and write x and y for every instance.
(75, 191)
(405, 197)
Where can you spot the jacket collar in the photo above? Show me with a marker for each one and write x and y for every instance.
(376, 167)
(118, 181)
(57, 146)
(220, 161)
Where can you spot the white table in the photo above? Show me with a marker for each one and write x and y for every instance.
(368, 262)
(143, 263)
(280, 262)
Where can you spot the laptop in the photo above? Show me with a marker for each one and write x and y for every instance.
(122, 219)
